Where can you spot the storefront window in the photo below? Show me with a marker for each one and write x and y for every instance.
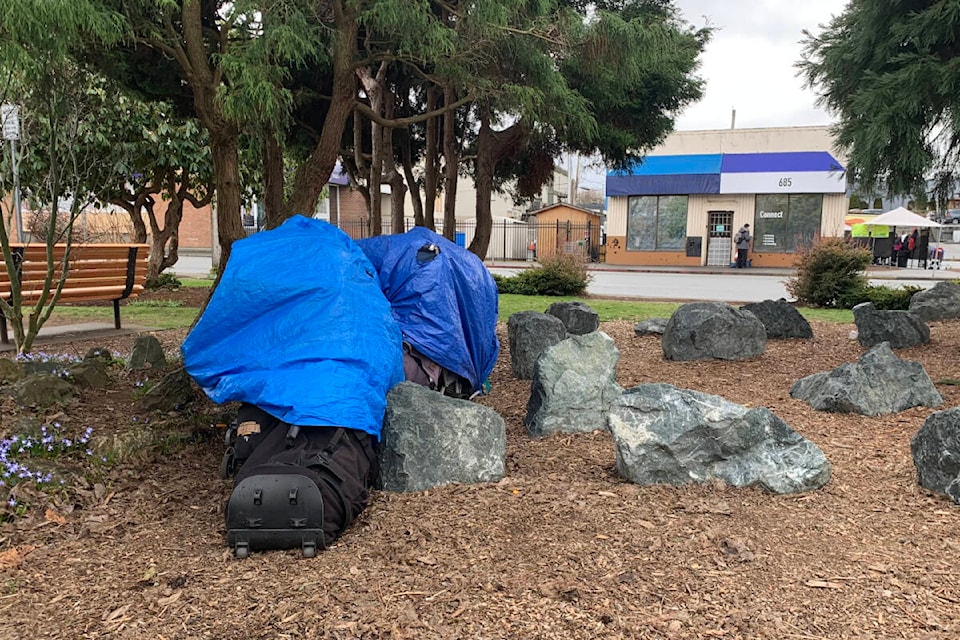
(656, 223)
(785, 223)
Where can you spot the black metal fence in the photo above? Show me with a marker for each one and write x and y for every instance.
(514, 239)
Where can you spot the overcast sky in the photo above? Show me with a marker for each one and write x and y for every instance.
(749, 63)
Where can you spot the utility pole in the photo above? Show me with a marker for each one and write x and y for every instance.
(576, 183)
(10, 116)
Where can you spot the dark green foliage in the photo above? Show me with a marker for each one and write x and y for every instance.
(886, 298)
(560, 275)
(888, 70)
(829, 270)
(856, 202)
(165, 280)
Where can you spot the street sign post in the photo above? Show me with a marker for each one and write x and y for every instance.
(10, 115)
(10, 122)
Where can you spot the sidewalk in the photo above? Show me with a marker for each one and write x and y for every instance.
(950, 270)
(73, 332)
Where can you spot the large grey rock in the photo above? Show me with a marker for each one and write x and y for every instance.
(578, 317)
(652, 326)
(431, 440)
(780, 319)
(43, 390)
(901, 329)
(705, 330)
(666, 435)
(173, 393)
(940, 302)
(574, 383)
(90, 374)
(529, 333)
(878, 383)
(99, 354)
(10, 371)
(58, 365)
(147, 353)
(936, 453)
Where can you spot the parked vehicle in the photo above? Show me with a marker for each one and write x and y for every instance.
(952, 216)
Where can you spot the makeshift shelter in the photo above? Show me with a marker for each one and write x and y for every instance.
(299, 327)
(443, 298)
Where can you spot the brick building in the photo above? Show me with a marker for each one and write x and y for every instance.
(344, 206)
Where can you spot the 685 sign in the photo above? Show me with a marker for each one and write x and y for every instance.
(785, 182)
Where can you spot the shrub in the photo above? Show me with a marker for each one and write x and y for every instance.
(828, 270)
(559, 275)
(882, 297)
(165, 280)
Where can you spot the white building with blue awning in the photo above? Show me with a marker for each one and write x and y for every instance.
(685, 201)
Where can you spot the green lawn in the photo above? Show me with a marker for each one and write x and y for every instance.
(169, 315)
(636, 310)
(145, 314)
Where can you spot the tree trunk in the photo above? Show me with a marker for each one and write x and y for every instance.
(415, 200)
(430, 165)
(272, 182)
(492, 147)
(205, 84)
(483, 179)
(374, 92)
(136, 218)
(312, 176)
(398, 192)
(393, 177)
(160, 256)
(227, 169)
(451, 159)
(134, 207)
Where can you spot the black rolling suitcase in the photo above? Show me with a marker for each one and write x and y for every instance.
(295, 486)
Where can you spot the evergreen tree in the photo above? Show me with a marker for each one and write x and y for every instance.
(890, 72)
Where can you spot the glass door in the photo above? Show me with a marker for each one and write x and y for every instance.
(719, 238)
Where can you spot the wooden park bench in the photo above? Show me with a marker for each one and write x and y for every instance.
(97, 272)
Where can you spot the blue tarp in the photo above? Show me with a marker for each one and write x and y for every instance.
(446, 307)
(299, 327)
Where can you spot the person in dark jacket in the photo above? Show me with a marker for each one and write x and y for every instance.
(742, 242)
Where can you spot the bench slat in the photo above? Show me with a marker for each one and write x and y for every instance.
(96, 272)
(36, 275)
(86, 295)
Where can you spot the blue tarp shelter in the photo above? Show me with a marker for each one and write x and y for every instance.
(299, 327)
(445, 301)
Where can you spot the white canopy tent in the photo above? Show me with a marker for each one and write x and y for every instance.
(901, 217)
(904, 218)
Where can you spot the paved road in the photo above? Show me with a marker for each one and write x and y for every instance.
(733, 287)
(668, 285)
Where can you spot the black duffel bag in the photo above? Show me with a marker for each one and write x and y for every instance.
(295, 486)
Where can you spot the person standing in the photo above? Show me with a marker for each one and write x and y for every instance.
(742, 242)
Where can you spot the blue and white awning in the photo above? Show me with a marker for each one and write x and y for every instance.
(783, 172)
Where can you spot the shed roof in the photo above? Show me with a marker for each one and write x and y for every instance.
(565, 205)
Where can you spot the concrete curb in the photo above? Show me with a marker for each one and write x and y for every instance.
(883, 273)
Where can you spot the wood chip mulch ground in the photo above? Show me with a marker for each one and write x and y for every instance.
(561, 548)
